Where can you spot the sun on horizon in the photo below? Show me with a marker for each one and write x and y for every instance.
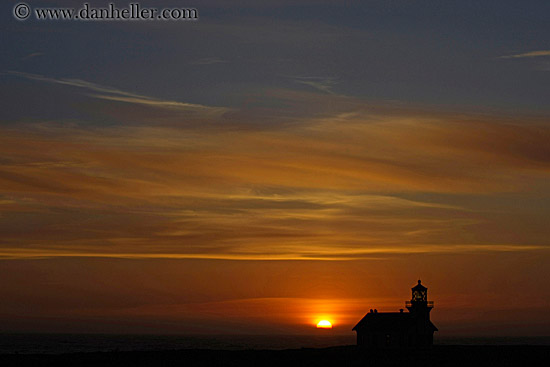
(324, 324)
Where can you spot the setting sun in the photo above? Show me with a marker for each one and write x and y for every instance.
(324, 324)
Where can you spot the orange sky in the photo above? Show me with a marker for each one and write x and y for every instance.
(206, 223)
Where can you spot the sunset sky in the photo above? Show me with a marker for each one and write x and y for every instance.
(275, 163)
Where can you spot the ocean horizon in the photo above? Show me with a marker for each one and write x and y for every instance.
(11, 343)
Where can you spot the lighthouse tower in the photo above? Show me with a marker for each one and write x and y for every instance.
(420, 308)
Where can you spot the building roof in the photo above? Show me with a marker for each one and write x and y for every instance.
(388, 321)
(385, 321)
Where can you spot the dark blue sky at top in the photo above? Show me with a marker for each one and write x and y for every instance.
(426, 52)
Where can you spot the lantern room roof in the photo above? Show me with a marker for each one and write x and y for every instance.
(419, 287)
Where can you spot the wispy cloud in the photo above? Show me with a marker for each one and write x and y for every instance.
(32, 55)
(114, 94)
(324, 84)
(78, 83)
(151, 102)
(527, 54)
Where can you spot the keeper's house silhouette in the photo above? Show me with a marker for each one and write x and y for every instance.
(399, 329)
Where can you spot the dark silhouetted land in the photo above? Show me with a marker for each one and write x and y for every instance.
(463, 356)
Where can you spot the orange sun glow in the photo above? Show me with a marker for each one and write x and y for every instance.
(324, 324)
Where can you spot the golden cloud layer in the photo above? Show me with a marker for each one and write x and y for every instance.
(349, 181)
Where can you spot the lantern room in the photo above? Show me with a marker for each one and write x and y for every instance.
(419, 293)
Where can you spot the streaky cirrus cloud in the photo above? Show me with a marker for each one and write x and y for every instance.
(324, 84)
(32, 55)
(527, 54)
(114, 94)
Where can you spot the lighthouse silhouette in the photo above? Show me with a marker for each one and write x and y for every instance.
(399, 329)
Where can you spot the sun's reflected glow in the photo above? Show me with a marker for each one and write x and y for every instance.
(324, 324)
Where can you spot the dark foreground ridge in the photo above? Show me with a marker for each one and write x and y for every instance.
(463, 356)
